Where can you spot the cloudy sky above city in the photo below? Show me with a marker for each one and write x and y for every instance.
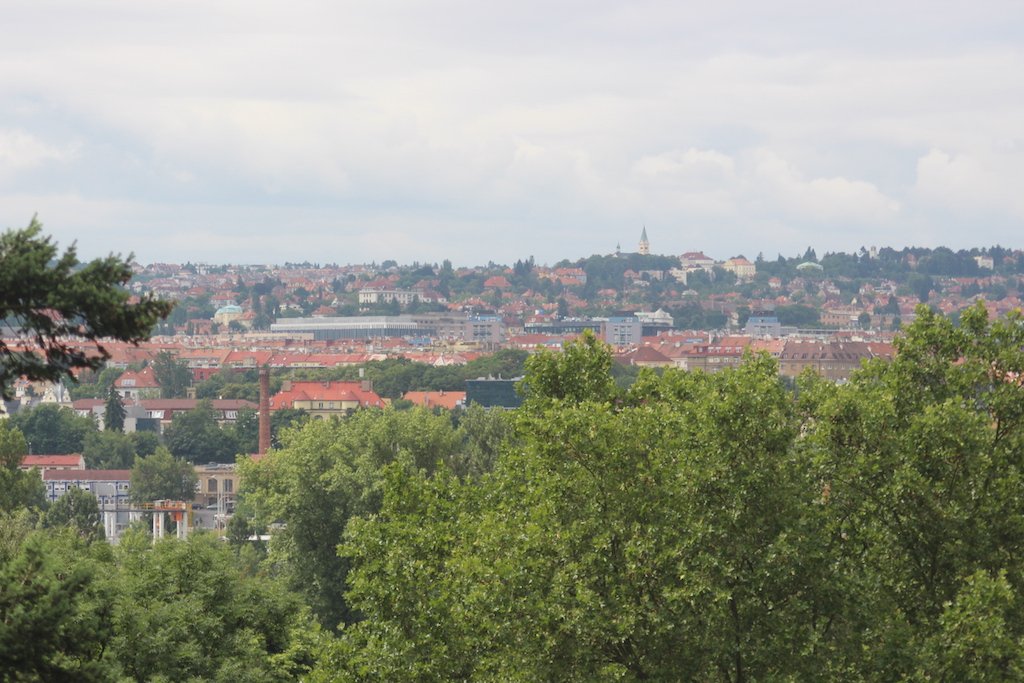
(349, 132)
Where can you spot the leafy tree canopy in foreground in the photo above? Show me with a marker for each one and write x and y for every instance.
(689, 527)
(716, 527)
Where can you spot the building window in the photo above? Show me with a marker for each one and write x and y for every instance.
(211, 486)
(229, 486)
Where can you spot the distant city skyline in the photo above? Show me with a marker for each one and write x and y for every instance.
(357, 132)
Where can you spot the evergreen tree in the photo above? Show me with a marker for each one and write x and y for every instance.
(113, 416)
(54, 299)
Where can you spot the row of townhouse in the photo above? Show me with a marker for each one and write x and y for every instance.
(155, 414)
(833, 359)
(405, 297)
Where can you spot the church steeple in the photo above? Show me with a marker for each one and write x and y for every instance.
(645, 246)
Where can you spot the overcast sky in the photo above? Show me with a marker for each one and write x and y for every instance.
(261, 132)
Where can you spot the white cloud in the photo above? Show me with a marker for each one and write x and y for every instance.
(691, 166)
(20, 150)
(833, 199)
(987, 182)
(567, 123)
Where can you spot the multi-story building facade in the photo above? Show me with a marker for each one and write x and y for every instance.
(110, 487)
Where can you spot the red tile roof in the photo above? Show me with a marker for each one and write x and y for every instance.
(143, 379)
(325, 391)
(71, 460)
(644, 355)
(430, 399)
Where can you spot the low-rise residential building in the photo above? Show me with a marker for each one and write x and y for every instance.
(137, 384)
(644, 357)
(326, 399)
(696, 259)
(450, 400)
(157, 413)
(714, 356)
(833, 360)
(741, 268)
(841, 316)
(373, 295)
(46, 463)
(109, 486)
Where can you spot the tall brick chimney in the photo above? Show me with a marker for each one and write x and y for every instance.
(264, 442)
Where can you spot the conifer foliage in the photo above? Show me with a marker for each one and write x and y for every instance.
(48, 298)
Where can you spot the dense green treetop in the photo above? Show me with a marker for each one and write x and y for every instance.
(197, 437)
(109, 450)
(18, 490)
(76, 510)
(161, 476)
(708, 527)
(76, 610)
(51, 429)
(325, 474)
(55, 616)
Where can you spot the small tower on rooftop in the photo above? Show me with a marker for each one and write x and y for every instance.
(645, 246)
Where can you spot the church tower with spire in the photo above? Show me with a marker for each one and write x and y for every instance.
(645, 246)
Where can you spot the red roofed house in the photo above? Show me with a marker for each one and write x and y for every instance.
(497, 282)
(645, 357)
(741, 268)
(246, 360)
(326, 399)
(158, 413)
(109, 486)
(437, 399)
(45, 463)
(696, 259)
(135, 384)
